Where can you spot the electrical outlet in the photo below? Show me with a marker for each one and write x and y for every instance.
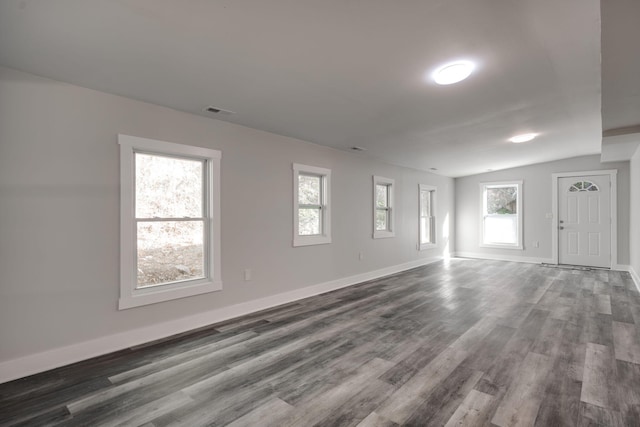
(360, 256)
(536, 244)
(247, 274)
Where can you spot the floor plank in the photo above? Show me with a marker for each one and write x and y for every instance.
(599, 376)
(626, 342)
(473, 411)
(456, 343)
(400, 406)
(520, 405)
(261, 416)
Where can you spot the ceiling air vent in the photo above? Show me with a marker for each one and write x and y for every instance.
(356, 148)
(216, 110)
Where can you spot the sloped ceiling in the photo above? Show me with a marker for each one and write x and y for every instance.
(620, 66)
(343, 73)
(620, 79)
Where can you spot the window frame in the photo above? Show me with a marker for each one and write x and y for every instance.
(432, 218)
(325, 205)
(519, 245)
(130, 294)
(390, 184)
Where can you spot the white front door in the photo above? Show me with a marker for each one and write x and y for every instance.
(584, 221)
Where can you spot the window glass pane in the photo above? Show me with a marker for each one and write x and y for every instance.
(168, 187)
(583, 186)
(382, 219)
(425, 203)
(502, 200)
(501, 229)
(170, 251)
(425, 230)
(382, 195)
(308, 222)
(309, 189)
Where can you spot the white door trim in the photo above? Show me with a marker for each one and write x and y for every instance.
(613, 173)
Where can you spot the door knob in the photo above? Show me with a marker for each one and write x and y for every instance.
(561, 228)
(561, 221)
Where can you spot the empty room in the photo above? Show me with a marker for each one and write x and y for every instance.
(319, 213)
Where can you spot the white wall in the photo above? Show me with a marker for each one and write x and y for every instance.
(59, 213)
(634, 244)
(537, 203)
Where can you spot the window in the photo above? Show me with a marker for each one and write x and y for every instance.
(501, 221)
(427, 225)
(169, 219)
(311, 205)
(583, 186)
(383, 215)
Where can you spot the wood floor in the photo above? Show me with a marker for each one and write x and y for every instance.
(458, 343)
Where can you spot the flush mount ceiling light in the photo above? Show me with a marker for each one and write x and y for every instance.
(525, 137)
(453, 72)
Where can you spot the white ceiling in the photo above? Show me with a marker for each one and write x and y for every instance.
(340, 73)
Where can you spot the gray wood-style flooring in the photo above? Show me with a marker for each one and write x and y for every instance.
(456, 343)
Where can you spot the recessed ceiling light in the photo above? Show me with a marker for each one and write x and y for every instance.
(453, 72)
(523, 138)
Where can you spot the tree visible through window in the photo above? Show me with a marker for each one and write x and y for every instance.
(502, 200)
(427, 225)
(501, 216)
(309, 205)
(312, 219)
(383, 205)
(169, 195)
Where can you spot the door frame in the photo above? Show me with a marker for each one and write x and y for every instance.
(613, 174)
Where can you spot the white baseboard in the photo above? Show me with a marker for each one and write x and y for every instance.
(635, 277)
(40, 362)
(514, 258)
(631, 271)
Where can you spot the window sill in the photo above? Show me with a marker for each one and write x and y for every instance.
(499, 246)
(311, 240)
(140, 297)
(427, 246)
(383, 234)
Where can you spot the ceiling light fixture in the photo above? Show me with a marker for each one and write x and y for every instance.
(453, 72)
(525, 137)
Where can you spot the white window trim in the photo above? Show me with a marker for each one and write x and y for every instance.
(325, 216)
(383, 234)
(517, 246)
(432, 189)
(130, 295)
